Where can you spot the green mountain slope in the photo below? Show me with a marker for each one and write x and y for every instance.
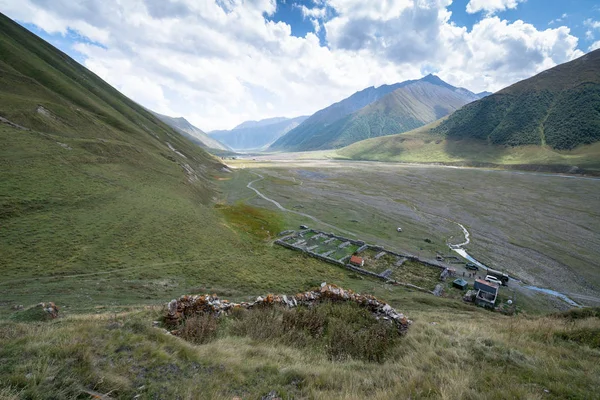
(102, 203)
(193, 133)
(410, 105)
(325, 117)
(559, 107)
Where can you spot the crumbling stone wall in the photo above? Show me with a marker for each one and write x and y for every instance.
(187, 306)
(363, 246)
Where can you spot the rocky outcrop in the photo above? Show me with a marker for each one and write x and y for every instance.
(187, 306)
(50, 309)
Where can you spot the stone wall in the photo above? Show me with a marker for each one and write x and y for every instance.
(309, 253)
(186, 306)
(363, 247)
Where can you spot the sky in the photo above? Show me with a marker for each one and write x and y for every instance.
(221, 62)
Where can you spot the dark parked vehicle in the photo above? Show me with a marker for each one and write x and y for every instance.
(472, 266)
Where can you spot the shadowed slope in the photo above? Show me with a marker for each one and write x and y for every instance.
(409, 105)
(559, 107)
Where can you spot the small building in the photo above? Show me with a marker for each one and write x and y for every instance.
(486, 293)
(486, 286)
(460, 283)
(357, 261)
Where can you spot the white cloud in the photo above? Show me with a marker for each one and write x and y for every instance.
(557, 20)
(220, 63)
(491, 6)
(591, 23)
(594, 46)
(315, 12)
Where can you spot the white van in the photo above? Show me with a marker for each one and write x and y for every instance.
(493, 279)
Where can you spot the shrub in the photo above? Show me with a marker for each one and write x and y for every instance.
(341, 330)
(200, 329)
(579, 313)
(583, 336)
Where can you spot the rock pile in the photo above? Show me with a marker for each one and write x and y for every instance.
(50, 308)
(187, 306)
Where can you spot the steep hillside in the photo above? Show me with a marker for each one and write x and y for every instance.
(322, 118)
(422, 146)
(193, 133)
(410, 105)
(101, 203)
(256, 135)
(559, 107)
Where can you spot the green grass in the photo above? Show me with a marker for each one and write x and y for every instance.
(548, 122)
(258, 222)
(341, 331)
(423, 146)
(112, 218)
(559, 107)
(417, 273)
(378, 266)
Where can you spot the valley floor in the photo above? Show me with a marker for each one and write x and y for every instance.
(539, 228)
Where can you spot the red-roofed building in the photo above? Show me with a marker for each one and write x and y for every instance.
(356, 260)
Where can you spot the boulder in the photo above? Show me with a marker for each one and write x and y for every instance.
(50, 309)
(470, 295)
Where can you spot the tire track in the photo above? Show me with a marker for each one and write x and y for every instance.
(282, 208)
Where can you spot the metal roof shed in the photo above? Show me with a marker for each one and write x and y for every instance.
(460, 283)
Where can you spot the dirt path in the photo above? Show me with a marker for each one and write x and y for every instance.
(282, 208)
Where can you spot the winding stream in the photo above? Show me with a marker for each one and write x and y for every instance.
(458, 248)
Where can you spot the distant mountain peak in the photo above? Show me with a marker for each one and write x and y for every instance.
(379, 111)
(256, 135)
(262, 122)
(436, 80)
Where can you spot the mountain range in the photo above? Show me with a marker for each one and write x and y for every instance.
(375, 112)
(193, 133)
(256, 135)
(549, 122)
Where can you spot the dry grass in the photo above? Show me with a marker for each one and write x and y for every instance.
(447, 354)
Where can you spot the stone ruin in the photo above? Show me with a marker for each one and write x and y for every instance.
(189, 305)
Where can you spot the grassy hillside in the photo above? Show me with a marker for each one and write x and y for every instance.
(411, 105)
(103, 204)
(559, 108)
(193, 133)
(423, 145)
(300, 137)
(452, 351)
(402, 110)
(110, 213)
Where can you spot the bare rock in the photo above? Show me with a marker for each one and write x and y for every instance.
(50, 308)
(272, 395)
